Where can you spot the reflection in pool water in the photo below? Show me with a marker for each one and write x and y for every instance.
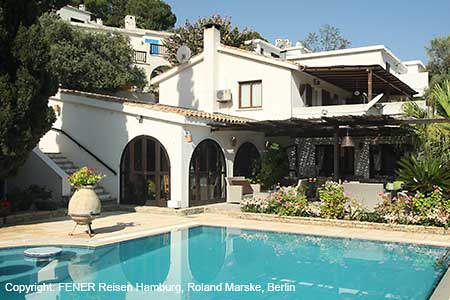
(317, 267)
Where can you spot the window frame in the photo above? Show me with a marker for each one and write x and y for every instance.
(251, 83)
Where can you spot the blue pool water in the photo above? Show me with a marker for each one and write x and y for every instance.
(213, 262)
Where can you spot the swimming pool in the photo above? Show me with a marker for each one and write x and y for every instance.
(226, 263)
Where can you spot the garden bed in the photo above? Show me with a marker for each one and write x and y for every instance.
(342, 223)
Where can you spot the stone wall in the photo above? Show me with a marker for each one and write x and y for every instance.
(306, 150)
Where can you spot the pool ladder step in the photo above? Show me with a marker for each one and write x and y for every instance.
(444, 260)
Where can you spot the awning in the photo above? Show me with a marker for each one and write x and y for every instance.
(356, 78)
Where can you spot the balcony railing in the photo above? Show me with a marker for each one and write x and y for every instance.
(157, 49)
(140, 56)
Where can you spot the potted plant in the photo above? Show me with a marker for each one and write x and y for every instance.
(84, 205)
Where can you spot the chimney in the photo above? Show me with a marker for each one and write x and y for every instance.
(82, 7)
(130, 22)
(211, 42)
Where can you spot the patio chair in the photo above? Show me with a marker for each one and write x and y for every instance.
(239, 188)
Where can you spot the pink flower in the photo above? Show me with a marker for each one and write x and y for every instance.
(287, 204)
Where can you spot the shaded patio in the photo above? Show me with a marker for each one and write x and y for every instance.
(341, 130)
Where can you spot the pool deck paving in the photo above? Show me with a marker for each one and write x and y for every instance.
(119, 226)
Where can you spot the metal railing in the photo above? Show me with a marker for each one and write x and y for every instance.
(157, 49)
(85, 149)
(140, 56)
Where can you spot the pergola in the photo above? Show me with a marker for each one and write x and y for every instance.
(367, 125)
(374, 79)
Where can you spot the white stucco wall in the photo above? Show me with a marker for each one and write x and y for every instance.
(68, 13)
(276, 87)
(105, 128)
(36, 171)
(354, 59)
(185, 89)
(418, 81)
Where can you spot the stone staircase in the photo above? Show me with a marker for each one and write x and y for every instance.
(108, 201)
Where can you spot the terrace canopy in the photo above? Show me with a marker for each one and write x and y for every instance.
(373, 79)
(368, 125)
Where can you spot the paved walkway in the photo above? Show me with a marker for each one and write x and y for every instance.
(119, 226)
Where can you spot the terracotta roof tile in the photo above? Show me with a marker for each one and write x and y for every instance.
(191, 113)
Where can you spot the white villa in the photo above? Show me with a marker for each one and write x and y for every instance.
(149, 53)
(336, 113)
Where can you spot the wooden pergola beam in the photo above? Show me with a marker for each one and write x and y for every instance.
(391, 85)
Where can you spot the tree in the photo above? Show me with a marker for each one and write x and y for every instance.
(328, 38)
(439, 63)
(150, 14)
(191, 35)
(26, 81)
(432, 140)
(90, 61)
(274, 165)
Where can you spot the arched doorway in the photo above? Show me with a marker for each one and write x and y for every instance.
(207, 173)
(159, 70)
(247, 161)
(145, 173)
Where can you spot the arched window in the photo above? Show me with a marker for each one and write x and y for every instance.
(145, 173)
(247, 161)
(207, 173)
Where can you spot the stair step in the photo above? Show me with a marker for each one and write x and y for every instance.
(60, 159)
(69, 171)
(55, 155)
(68, 166)
(104, 197)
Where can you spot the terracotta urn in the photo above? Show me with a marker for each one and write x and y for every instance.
(84, 205)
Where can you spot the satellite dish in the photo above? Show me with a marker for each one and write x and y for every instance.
(183, 54)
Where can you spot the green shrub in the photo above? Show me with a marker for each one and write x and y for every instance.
(39, 192)
(20, 199)
(424, 173)
(432, 208)
(274, 165)
(46, 205)
(333, 200)
(287, 201)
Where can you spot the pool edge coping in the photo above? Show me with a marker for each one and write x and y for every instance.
(442, 290)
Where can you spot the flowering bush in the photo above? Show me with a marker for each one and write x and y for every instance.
(256, 205)
(333, 200)
(287, 201)
(431, 208)
(85, 177)
(5, 205)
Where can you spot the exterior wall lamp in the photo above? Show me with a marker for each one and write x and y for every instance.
(57, 110)
(233, 141)
(188, 136)
(140, 119)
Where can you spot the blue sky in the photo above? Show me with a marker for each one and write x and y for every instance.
(405, 27)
